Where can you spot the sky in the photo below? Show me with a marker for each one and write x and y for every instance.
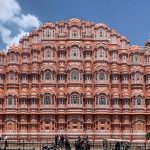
(130, 18)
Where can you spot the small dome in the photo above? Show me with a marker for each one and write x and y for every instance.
(101, 25)
(61, 95)
(13, 48)
(74, 20)
(61, 70)
(47, 24)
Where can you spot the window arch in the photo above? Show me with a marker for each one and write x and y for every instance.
(135, 58)
(49, 33)
(11, 76)
(136, 77)
(47, 75)
(76, 75)
(75, 98)
(137, 101)
(88, 31)
(74, 33)
(123, 58)
(13, 57)
(102, 75)
(100, 33)
(114, 39)
(48, 54)
(75, 53)
(102, 53)
(147, 60)
(102, 100)
(48, 100)
(11, 101)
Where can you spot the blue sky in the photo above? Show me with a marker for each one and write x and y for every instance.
(128, 17)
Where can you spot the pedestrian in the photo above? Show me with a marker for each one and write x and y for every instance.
(67, 144)
(6, 143)
(56, 140)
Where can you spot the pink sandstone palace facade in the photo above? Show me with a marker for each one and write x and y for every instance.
(75, 77)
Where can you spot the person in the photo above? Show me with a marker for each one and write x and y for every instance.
(6, 143)
(105, 144)
(67, 144)
(117, 146)
(0, 138)
(78, 144)
(87, 143)
(62, 140)
(56, 140)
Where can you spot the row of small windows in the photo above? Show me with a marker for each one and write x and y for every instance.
(76, 75)
(75, 33)
(76, 98)
(77, 54)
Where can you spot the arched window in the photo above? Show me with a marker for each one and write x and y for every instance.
(88, 31)
(147, 60)
(137, 76)
(75, 99)
(102, 100)
(75, 74)
(48, 54)
(135, 59)
(13, 58)
(74, 33)
(124, 58)
(102, 54)
(11, 101)
(114, 56)
(11, 76)
(100, 33)
(35, 56)
(48, 100)
(137, 101)
(47, 75)
(114, 39)
(48, 32)
(75, 53)
(101, 76)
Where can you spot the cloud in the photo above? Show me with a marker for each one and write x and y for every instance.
(11, 12)
(8, 39)
(8, 10)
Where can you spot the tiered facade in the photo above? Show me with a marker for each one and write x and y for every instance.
(77, 78)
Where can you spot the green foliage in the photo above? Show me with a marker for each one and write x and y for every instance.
(148, 135)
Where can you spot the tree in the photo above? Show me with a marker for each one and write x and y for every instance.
(148, 135)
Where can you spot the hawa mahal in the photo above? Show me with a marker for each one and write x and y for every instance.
(75, 77)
